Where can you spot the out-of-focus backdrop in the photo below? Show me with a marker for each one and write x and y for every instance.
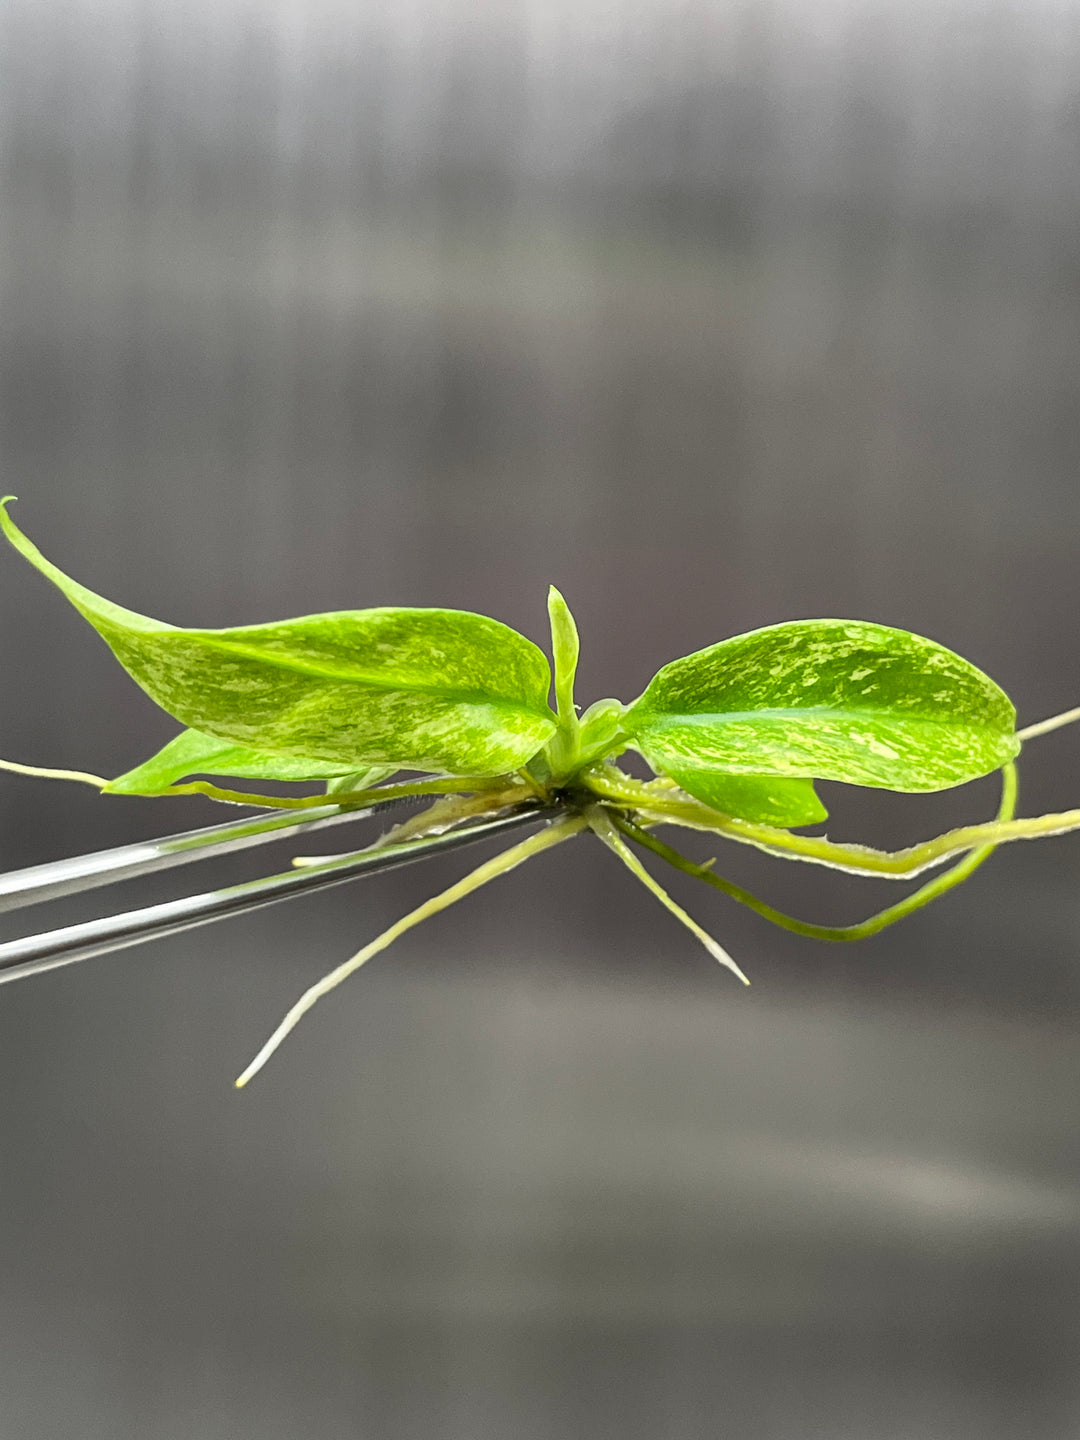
(715, 314)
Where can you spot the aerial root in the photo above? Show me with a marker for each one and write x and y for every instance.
(47, 773)
(601, 824)
(552, 834)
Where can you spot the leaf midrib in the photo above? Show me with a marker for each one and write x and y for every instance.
(300, 667)
(802, 712)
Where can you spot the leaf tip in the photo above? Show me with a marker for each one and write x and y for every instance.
(558, 609)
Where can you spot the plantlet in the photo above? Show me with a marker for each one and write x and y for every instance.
(736, 735)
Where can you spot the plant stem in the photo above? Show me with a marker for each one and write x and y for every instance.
(376, 794)
(653, 809)
(889, 916)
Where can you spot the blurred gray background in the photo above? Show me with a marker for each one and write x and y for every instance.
(715, 314)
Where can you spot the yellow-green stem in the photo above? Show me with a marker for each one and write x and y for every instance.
(376, 795)
(865, 928)
(653, 809)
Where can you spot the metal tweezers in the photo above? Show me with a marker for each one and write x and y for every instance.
(66, 946)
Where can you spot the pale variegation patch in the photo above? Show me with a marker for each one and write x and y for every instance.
(792, 700)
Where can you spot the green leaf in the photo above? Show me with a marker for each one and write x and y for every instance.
(441, 690)
(565, 649)
(764, 799)
(562, 749)
(192, 753)
(601, 732)
(836, 699)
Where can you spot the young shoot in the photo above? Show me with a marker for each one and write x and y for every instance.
(735, 734)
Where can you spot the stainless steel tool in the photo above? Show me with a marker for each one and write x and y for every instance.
(71, 943)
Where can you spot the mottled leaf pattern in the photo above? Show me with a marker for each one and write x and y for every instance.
(835, 699)
(744, 726)
(442, 690)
